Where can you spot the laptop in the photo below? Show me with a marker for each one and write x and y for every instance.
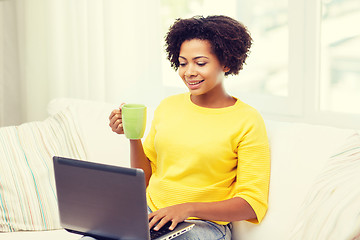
(104, 201)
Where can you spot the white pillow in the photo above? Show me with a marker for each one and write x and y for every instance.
(331, 209)
(27, 187)
(101, 144)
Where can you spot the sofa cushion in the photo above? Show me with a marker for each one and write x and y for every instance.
(331, 209)
(27, 191)
(298, 153)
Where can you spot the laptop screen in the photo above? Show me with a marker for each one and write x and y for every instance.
(101, 200)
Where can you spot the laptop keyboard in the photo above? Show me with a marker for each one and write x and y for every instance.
(162, 231)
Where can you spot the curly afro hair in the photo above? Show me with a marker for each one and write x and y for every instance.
(230, 40)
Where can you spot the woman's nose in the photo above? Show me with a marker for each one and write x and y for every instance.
(190, 71)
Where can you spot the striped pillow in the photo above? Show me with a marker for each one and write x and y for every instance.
(331, 209)
(27, 189)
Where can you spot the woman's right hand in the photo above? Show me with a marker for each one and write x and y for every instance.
(116, 123)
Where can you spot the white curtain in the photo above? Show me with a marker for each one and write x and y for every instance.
(10, 93)
(107, 50)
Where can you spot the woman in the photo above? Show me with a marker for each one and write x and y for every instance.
(206, 158)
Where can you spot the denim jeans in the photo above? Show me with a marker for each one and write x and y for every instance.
(206, 230)
(203, 230)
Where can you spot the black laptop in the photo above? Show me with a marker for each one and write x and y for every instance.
(104, 201)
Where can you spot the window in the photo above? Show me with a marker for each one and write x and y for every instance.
(304, 64)
(340, 56)
(267, 21)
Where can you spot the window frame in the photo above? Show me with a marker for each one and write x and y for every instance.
(312, 79)
(303, 101)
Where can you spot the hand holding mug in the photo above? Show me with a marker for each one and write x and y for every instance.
(116, 122)
(134, 120)
(129, 119)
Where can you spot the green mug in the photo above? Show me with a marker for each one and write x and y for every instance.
(134, 120)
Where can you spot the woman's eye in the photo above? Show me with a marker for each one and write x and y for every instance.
(201, 63)
(182, 64)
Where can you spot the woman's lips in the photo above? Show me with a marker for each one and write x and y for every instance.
(194, 84)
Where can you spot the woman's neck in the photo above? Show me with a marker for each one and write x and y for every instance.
(213, 101)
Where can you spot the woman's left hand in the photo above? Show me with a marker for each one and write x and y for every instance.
(175, 214)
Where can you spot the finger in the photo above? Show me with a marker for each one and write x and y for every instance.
(120, 125)
(113, 113)
(162, 222)
(120, 128)
(112, 124)
(116, 125)
(154, 218)
(117, 122)
(151, 224)
(120, 108)
(151, 215)
(116, 118)
(173, 225)
(152, 221)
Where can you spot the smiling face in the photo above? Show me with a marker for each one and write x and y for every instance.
(200, 68)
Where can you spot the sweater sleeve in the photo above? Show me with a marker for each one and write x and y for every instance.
(253, 172)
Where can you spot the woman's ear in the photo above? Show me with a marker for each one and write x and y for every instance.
(226, 69)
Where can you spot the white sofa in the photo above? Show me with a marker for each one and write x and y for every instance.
(314, 188)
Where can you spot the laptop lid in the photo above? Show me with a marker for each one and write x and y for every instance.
(102, 200)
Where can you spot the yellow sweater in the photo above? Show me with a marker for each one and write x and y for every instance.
(202, 154)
